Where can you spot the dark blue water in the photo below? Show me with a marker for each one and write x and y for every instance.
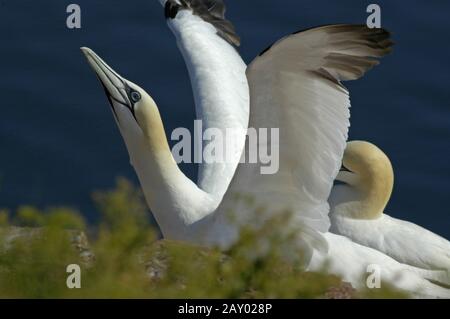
(58, 140)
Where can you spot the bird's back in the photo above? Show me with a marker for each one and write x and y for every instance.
(404, 241)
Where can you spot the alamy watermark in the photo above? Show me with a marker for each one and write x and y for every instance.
(74, 279)
(215, 145)
(73, 21)
(374, 19)
(373, 280)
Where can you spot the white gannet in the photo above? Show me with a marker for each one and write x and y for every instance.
(217, 72)
(357, 211)
(295, 86)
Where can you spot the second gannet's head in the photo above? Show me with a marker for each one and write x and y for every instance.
(206, 18)
(135, 111)
(369, 171)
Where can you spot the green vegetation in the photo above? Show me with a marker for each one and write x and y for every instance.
(125, 260)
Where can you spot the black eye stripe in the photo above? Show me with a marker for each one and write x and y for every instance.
(109, 99)
(345, 169)
(131, 108)
(112, 98)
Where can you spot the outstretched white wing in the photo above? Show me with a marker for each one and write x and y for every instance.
(295, 86)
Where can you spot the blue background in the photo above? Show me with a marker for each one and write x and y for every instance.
(58, 140)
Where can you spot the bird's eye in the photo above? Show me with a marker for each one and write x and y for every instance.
(135, 96)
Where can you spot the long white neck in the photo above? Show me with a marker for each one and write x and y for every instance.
(175, 201)
(221, 93)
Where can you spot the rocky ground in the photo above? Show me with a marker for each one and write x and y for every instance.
(155, 266)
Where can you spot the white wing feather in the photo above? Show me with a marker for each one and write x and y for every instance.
(296, 86)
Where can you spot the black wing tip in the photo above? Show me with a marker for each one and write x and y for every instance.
(380, 37)
(341, 67)
(266, 49)
(345, 27)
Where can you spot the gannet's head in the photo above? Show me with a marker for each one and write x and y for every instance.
(368, 170)
(202, 17)
(135, 111)
(364, 161)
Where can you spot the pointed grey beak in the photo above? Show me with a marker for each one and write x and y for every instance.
(116, 87)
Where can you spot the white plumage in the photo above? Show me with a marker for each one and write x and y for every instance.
(221, 94)
(295, 86)
(358, 212)
(404, 241)
(354, 263)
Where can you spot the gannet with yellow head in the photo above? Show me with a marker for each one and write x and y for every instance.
(177, 202)
(174, 199)
(295, 85)
(357, 211)
(207, 41)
